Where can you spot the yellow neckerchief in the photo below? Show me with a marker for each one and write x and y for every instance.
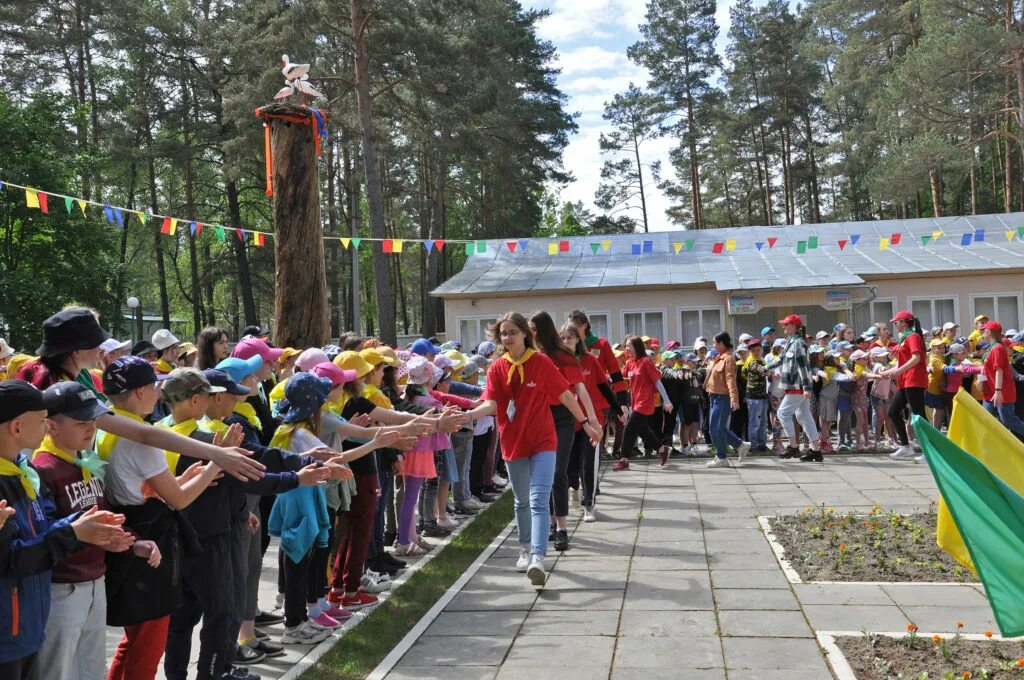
(518, 365)
(378, 398)
(164, 367)
(212, 425)
(106, 441)
(184, 428)
(248, 411)
(275, 396)
(282, 439)
(858, 370)
(88, 462)
(29, 478)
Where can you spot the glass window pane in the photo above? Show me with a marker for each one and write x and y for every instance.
(599, 324)
(945, 310)
(654, 325)
(922, 309)
(467, 329)
(712, 322)
(984, 305)
(633, 322)
(690, 323)
(1008, 314)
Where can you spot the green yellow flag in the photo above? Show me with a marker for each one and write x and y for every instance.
(989, 514)
(974, 430)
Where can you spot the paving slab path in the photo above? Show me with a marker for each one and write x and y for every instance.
(677, 579)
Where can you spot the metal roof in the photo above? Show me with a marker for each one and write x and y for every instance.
(501, 270)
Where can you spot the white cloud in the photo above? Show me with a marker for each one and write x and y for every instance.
(588, 59)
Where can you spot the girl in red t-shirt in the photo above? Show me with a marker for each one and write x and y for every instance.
(521, 386)
(644, 386)
(545, 336)
(584, 459)
(911, 375)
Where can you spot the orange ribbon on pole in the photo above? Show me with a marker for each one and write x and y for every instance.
(270, 159)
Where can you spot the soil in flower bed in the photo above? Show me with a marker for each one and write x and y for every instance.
(822, 545)
(877, 657)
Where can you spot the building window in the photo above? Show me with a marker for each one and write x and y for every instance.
(882, 309)
(695, 322)
(599, 323)
(1002, 307)
(932, 312)
(644, 322)
(473, 330)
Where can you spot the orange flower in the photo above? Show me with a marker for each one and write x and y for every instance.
(911, 628)
(936, 639)
(959, 624)
(842, 546)
(1020, 662)
(988, 633)
(967, 675)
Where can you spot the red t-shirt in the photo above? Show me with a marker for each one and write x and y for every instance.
(606, 356)
(71, 495)
(569, 367)
(918, 375)
(642, 377)
(594, 375)
(997, 358)
(532, 429)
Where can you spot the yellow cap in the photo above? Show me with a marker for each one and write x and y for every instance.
(352, 361)
(937, 342)
(186, 348)
(390, 353)
(980, 317)
(16, 362)
(287, 354)
(375, 357)
(459, 359)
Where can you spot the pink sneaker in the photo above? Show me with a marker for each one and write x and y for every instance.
(337, 613)
(325, 621)
(826, 446)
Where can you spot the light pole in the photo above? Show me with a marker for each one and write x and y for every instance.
(133, 304)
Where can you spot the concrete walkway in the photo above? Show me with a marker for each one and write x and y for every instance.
(677, 578)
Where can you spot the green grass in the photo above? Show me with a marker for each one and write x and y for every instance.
(358, 652)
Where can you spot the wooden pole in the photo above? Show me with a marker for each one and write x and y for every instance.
(301, 317)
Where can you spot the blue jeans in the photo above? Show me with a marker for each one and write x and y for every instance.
(721, 435)
(757, 419)
(531, 480)
(1007, 415)
(462, 442)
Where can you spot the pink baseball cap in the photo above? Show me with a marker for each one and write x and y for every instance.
(337, 376)
(310, 358)
(251, 347)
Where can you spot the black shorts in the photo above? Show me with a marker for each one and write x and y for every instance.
(690, 413)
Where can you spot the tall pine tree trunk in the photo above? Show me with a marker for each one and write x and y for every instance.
(158, 250)
(241, 257)
(640, 181)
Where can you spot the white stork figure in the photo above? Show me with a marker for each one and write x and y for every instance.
(296, 80)
(292, 71)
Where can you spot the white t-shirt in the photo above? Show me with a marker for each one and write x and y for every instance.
(129, 465)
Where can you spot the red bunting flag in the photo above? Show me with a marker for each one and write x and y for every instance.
(165, 228)
(240, 234)
(511, 245)
(261, 239)
(439, 244)
(43, 205)
(563, 246)
(842, 243)
(199, 228)
(718, 248)
(895, 240)
(389, 246)
(771, 241)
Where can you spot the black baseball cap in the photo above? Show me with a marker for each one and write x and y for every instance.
(74, 400)
(255, 331)
(143, 347)
(219, 378)
(128, 373)
(18, 397)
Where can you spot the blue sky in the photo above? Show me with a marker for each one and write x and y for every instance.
(592, 37)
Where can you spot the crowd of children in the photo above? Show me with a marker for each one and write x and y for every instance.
(140, 486)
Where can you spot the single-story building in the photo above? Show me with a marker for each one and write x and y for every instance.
(682, 284)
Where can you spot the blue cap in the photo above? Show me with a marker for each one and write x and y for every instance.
(766, 330)
(304, 394)
(219, 378)
(691, 357)
(844, 344)
(424, 347)
(1017, 339)
(128, 373)
(713, 353)
(240, 369)
(486, 348)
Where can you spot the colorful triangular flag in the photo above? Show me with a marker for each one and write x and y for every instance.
(1009, 233)
(44, 204)
(718, 248)
(594, 247)
(689, 243)
(470, 247)
(389, 246)
(730, 244)
(429, 245)
(82, 204)
(119, 216)
(31, 198)
(522, 244)
(142, 217)
(563, 246)
(552, 248)
(677, 246)
(979, 234)
(68, 202)
(759, 244)
(965, 240)
(648, 246)
(108, 213)
(771, 242)
(842, 243)
(936, 234)
(240, 233)
(220, 234)
(1020, 232)
(481, 247)
(356, 242)
(199, 228)
(174, 226)
(605, 245)
(812, 242)
(192, 228)
(511, 245)
(260, 239)
(398, 245)
(439, 243)
(345, 242)
(925, 239)
(165, 228)
(854, 238)
(883, 244)
(895, 239)
(801, 247)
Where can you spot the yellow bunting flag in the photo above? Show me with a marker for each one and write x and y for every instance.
(730, 244)
(936, 234)
(677, 247)
(605, 245)
(345, 242)
(552, 249)
(82, 205)
(142, 217)
(883, 244)
(1010, 234)
(174, 226)
(396, 246)
(31, 198)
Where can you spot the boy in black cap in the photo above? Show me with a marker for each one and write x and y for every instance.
(75, 642)
(30, 544)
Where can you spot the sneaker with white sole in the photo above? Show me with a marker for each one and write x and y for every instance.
(588, 514)
(409, 550)
(717, 462)
(279, 601)
(523, 563)
(369, 585)
(919, 458)
(379, 576)
(448, 523)
(742, 450)
(903, 453)
(535, 571)
(474, 504)
(304, 634)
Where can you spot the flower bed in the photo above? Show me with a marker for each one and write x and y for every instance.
(945, 657)
(822, 545)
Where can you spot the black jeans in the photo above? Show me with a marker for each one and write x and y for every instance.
(25, 668)
(565, 428)
(296, 588)
(639, 425)
(478, 462)
(898, 409)
(583, 467)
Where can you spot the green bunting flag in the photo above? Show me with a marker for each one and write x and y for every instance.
(812, 242)
(801, 247)
(925, 239)
(1020, 232)
(689, 243)
(470, 248)
(220, 234)
(68, 202)
(989, 515)
(356, 242)
(594, 247)
(481, 246)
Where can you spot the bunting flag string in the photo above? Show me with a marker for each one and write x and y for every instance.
(38, 199)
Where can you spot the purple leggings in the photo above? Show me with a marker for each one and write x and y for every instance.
(407, 516)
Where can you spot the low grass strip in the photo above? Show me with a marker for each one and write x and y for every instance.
(360, 651)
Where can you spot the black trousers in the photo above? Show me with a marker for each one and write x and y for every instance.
(914, 396)
(207, 593)
(296, 588)
(25, 668)
(565, 429)
(478, 462)
(583, 467)
(639, 426)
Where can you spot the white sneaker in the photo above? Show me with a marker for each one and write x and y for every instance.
(742, 450)
(369, 585)
(536, 571)
(574, 498)
(588, 515)
(523, 563)
(903, 453)
(473, 504)
(304, 634)
(919, 459)
(409, 550)
(279, 601)
(498, 480)
(717, 462)
(379, 577)
(448, 523)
